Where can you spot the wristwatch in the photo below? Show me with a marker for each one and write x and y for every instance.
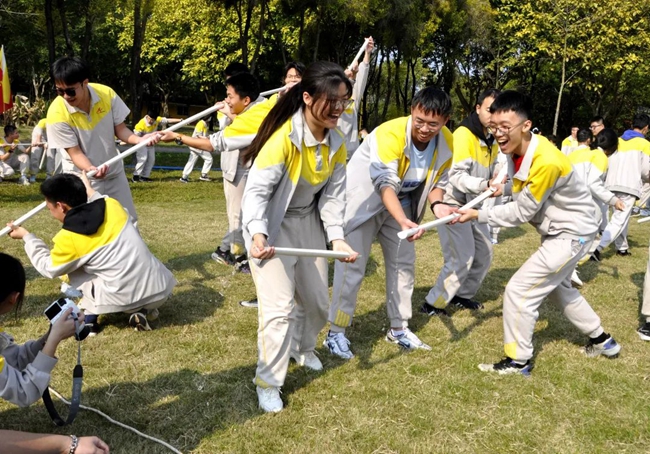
(179, 139)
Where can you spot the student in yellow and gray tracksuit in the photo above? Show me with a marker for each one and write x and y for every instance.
(571, 143)
(591, 165)
(349, 122)
(628, 168)
(83, 122)
(467, 248)
(399, 169)
(550, 195)
(145, 158)
(251, 109)
(295, 197)
(201, 131)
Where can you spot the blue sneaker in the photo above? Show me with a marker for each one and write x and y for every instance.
(407, 340)
(508, 366)
(609, 348)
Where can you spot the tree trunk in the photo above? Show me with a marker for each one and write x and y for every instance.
(88, 29)
(64, 24)
(49, 25)
(141, 12)
(260, 36)
(559, 95)
(247, 27)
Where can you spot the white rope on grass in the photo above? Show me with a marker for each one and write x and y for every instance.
(124, 426)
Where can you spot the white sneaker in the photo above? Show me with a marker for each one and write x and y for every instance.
(407, 340)
(494, 240)
(575, 280)
(32, 179)
(308, 360)
(70, 291)
(23, 180)
(338, 345)
(269, 399)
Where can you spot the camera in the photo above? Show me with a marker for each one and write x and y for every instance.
(57, 308)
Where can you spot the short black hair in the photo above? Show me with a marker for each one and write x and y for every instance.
(70, 70)
(13, 278)
(298, 66)
(10, 129)
(607, 140)
(640, 121)
(433, 101)
(245, 84)
(489, 93)
(65, 188)
(152, 113)
(511, 100)
(598, 119)
(583, 135)
(235, 68)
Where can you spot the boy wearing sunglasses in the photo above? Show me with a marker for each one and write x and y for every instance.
(83, 121)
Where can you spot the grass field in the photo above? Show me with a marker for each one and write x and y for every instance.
(188, 382)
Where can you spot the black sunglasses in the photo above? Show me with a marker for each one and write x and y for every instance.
(66, 91)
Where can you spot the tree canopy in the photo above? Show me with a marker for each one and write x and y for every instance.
(576, 58)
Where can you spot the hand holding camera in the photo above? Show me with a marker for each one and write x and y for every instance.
(62, 314)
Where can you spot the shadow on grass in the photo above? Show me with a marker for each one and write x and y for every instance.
(638, 280)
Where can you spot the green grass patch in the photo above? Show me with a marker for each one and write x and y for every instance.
(189, 381)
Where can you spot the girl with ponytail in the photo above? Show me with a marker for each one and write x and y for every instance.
(295, 197)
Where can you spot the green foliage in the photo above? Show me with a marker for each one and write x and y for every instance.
(592, 52)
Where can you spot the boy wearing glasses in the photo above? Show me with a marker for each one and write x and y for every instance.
(550, 195)
(399, 170)
(467, 248)
(83, 121)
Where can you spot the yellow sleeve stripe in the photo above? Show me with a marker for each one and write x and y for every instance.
(276, 150)
(70, 246)
(391, 140)
(547, 167)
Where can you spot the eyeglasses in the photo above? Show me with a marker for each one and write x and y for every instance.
(292, 77)
(596, 126)
(419, 124)
(71, 92)
(342, 104)
(494, 130)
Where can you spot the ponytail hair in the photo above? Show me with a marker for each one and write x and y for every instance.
(319, 79)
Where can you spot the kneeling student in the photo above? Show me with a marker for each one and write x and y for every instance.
(101, 252)
(548, 194)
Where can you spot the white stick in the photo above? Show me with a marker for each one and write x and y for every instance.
(43, 155)
(642, 220)
(26, 144)
(270, 92)
(404, 234)
(362, 50)
(311, 253)
(119, 157)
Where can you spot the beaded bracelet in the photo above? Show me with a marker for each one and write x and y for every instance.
(73, 444)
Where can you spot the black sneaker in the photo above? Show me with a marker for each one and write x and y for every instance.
(138, 321)
(146, 179)
(595, 257)
(466, 303)
(224, 257)
(432, 311)
(241, 264)
(644, 331)
(623, 253)
(136, 179)
(507, 366)
(204, 177)
(95, 329)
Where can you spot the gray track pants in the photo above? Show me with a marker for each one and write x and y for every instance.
(467, 251)
(546, 273)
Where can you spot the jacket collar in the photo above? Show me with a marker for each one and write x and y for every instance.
(85, 219)
(524, 170)
(296, 135)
